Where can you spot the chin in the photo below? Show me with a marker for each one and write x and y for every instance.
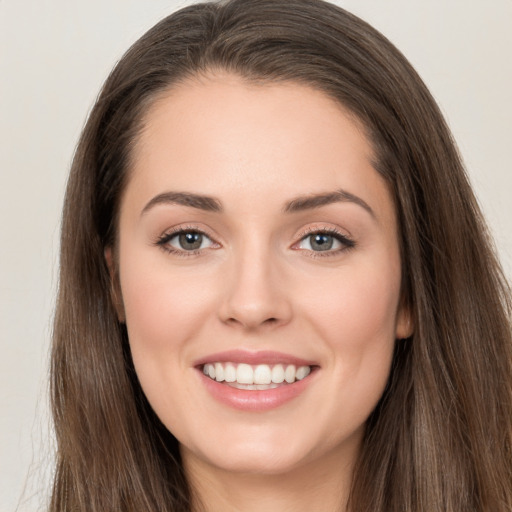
(251, 456)
(261, 463)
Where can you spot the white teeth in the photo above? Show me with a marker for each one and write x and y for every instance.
(278, 374)
(302, 372)
(262, 376)
(254, 386)
(244, 374)
(229, 373)
(219, 372)
(289, 374)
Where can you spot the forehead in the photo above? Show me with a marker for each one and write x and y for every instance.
(223, 108)
(221, 133)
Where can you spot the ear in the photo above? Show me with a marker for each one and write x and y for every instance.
(115, 285)
(404, 323)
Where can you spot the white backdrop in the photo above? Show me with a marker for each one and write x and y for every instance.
(54, 56)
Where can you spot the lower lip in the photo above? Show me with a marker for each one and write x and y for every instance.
(255, 400)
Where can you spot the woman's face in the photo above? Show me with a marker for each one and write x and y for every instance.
(258, 245)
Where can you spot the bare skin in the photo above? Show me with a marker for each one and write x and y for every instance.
(315, 487)
(231, 167)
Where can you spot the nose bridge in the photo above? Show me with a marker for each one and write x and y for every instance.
(254, 292)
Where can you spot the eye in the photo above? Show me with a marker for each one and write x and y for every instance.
(325, 241)
(183, 241)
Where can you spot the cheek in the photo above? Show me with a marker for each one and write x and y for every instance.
(164, 310)
(156, 296)
(356, 318)
(164, 313)
(355, 305)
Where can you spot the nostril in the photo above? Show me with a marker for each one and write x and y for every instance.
(268, 321)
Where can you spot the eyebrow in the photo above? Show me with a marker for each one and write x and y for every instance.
(211, 204)
(206, 203)
(317, 200)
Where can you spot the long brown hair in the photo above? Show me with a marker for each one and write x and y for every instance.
(440, 438)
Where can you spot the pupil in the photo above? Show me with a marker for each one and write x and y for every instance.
(191, 241)
(321, 242)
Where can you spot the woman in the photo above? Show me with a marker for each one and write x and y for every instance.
(276, 289)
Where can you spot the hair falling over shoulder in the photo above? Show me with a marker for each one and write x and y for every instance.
(440, 438)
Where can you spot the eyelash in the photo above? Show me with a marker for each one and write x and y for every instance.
(163, 241)
(348, 244)
(344, 240)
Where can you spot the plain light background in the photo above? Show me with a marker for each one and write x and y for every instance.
(54, 56)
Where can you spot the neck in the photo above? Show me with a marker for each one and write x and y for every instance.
(319, 485)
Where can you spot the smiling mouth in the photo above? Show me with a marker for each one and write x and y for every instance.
(255, 377)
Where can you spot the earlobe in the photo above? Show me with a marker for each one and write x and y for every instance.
(115, 286)
(404, 324)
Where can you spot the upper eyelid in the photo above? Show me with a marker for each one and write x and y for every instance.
(308, 231)
(184, 229)
(162, 241)
(331, 230)
(341, 236)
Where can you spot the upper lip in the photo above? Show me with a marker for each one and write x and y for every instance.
(253, 358)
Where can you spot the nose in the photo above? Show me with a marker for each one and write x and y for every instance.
(255, 294)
